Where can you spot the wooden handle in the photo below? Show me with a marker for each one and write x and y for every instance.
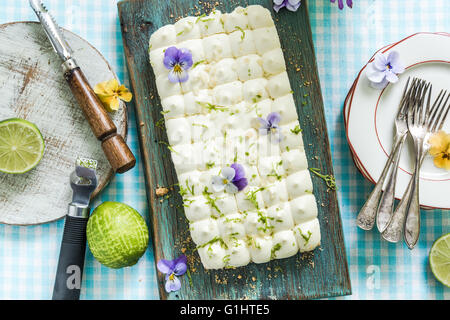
(118, 153)
(116, 150)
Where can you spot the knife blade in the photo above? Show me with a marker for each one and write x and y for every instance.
(114, 146)
(53, 31)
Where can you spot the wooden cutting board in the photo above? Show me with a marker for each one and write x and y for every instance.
(32, 87)
(319, 274)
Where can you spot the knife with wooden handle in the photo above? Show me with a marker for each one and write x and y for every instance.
(114, 146)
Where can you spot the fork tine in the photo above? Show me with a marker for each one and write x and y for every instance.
(439, 123)
(417, 98)
(443, 118)
(427, 105)
(436, 106)
(412, 102)
(403, 102)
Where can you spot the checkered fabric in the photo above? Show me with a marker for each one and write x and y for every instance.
(344, 41)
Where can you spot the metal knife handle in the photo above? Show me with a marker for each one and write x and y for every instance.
(116, 150)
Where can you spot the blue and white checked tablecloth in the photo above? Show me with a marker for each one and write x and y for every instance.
(344, 40)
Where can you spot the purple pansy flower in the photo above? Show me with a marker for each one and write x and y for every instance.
(232, 179)
(270, 127)
(384, 69)
(172, 269)
(291, 5)
(341, 3)
(178, 61)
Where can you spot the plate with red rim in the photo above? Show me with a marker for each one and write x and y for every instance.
(369, 116)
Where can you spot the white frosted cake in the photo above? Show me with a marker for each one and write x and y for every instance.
(235, 138)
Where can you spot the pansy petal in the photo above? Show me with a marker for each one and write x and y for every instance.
(239, 171)
(274, 118)
(277, 8)
(124, 94)
(380, 62)
(278, 2)
(170, 57)
(263, 131)
(438, 142)
(394, 61)
(111, 103)
(276, 137)
(241, 183)
(231, 188)
(228, 173)
(393, 57)
(180, 268)
(264, 123)
(180, 259)
(373, 74)
(292, 8)
(173, 285)
(112, 86)
(100, 88)
(391, 77)
(114, 105)
(173, 77)
(398, 68)
(379, 85)
(442, 162)
(293, 5)
(185, 58)
(217, 184)
(350, 3)
(183, 76)
(165, 266)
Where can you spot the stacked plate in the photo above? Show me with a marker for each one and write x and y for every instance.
(369, 117)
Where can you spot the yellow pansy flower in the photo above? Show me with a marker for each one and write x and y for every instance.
(440, 149)
(109, 93)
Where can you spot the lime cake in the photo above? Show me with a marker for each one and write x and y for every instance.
(234, 137)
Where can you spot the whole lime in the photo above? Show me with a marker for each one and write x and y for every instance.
(117, 235)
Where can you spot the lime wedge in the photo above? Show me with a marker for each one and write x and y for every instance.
(440, 259)
(21, 146)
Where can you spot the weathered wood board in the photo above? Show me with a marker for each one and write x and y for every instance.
(319, 274)
(32, 87)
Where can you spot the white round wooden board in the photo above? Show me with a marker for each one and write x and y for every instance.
(32, 87)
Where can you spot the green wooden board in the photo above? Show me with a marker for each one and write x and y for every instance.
(321, 273)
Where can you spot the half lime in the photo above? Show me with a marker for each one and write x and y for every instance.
(21, 146)
(440, 259)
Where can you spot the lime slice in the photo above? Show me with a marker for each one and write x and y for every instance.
(440, 259)
(21, 146)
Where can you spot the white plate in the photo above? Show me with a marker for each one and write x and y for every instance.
(369, 117)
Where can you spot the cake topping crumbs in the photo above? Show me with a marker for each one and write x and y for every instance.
(161, 191)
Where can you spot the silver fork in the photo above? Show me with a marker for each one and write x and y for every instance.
(436, 116)
(420, 124)
(386, 205)
(367, 214)
(394, 228)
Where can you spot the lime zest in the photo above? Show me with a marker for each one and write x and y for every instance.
(329, 179)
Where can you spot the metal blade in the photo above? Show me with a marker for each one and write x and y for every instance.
(83, 181)
(52, 30)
